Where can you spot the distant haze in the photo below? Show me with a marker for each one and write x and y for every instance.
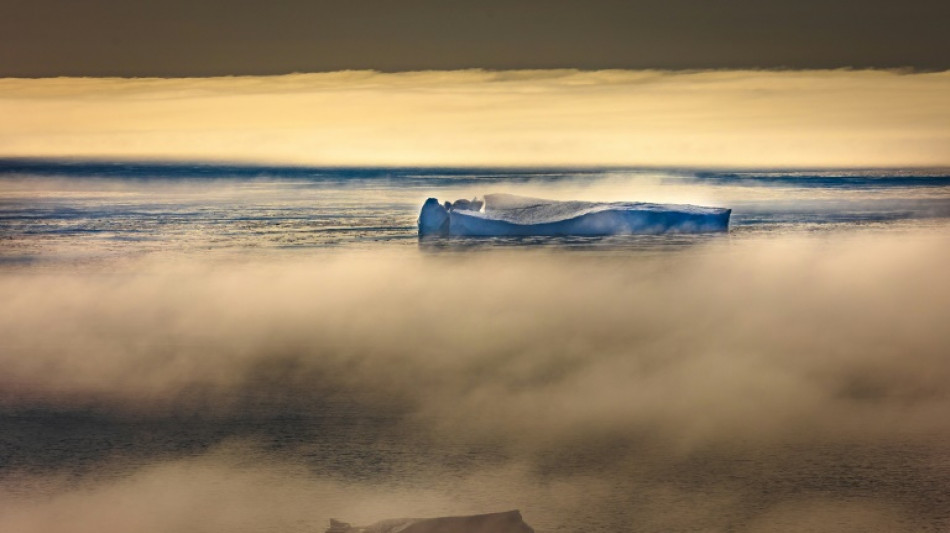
(838, 118)
(41, 38)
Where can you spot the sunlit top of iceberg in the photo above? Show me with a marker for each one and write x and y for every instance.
(512, 215)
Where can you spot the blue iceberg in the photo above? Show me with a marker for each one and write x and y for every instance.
(512, 215)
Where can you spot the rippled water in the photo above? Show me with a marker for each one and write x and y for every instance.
(85, 208)
(225, 348)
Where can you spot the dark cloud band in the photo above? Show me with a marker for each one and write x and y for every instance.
(181, 38)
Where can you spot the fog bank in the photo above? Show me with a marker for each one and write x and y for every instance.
(748, 385)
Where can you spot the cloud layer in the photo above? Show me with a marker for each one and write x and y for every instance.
(547, 117)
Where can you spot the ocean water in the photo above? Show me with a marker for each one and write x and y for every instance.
(198, 347)
(57, 209)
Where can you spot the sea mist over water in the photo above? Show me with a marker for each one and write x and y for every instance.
(77, 211)
(751, 384)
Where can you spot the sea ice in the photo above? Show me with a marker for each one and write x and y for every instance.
(512, 215)
(506, 522)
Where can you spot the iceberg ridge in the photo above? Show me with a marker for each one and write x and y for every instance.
(513, 215)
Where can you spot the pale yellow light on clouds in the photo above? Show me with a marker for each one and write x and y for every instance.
(714, 118)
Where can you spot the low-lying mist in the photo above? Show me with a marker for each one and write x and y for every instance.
(750, 385)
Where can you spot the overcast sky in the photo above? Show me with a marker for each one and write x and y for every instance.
(213, 37)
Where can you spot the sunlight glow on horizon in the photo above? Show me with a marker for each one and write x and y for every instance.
(837, 118)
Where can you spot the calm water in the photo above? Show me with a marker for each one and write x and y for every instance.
(221, 348)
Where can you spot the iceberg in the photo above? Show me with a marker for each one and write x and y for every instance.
(513, 215)
(506, 522)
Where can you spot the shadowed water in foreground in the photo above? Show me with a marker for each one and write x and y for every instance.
(787, 376)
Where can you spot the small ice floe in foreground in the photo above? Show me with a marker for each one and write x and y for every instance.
(507, 522)
(511, 215)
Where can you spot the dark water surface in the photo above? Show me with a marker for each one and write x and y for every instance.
(228, 348)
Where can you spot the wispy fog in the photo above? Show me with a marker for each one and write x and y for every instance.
(550, 117)
(750, 385)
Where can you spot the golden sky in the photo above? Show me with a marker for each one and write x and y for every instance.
(840, 118)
